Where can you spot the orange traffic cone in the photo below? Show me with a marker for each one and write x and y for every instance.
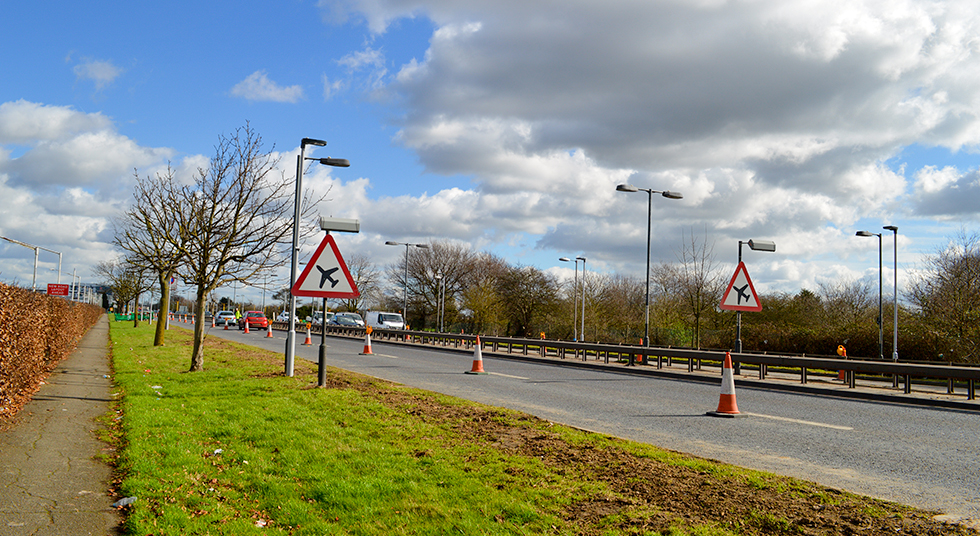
(367, 343)
(477, 359)
(309, 340)
(212, 321)
(269, 331)
(246, 325)
(726, 402)
(226, 324)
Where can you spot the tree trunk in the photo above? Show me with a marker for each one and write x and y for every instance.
(164, 309)
(197, 357)
(136, 311)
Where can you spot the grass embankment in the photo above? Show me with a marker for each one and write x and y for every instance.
(240, 449)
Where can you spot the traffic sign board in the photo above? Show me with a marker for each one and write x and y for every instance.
(326, 275)
(744, 298)
(57, 289)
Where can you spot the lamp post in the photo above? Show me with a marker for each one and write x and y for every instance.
(669, 195)
(407, 245)
(441, 305)
(574, 298)
(881, 354)
(754, 245)
(336, 162)
(36, 248)
(894, 229)
(582, 331)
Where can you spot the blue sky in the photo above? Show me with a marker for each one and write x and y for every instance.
(506, 125)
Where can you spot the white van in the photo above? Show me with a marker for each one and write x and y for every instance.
(383, 320)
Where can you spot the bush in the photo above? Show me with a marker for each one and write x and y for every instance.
(37, 332)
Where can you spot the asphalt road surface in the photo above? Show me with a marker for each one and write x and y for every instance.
(925, 457)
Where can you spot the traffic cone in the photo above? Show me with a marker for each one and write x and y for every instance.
(477, 359)
(726, 402)
(246, 325)
(367, 344)
(226, 324)
(212, 321)
(309, 340)
(269, 331)
(841, 351)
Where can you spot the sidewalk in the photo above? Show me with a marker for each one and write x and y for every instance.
(51, 482)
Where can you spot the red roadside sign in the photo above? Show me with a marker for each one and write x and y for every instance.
(744, 298)
(57, 289)
(326, 275)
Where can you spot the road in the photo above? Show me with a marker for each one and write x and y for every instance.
(925, 457)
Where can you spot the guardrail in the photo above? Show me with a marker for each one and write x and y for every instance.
(660, 357)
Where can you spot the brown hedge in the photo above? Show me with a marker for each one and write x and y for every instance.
(37, 332)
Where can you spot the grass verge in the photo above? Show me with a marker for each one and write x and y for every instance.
(240, 449)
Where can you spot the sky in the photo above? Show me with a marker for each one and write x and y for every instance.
(507, 125)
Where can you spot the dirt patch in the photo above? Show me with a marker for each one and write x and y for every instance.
(646, 494)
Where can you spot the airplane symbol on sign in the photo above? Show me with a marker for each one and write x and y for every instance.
(742, 293)
(325, 276)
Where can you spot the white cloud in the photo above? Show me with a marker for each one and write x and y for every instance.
(258, 87)
(101, 72)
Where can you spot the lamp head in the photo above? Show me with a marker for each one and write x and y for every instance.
(626, 188)
(762, 245)
(564, 259)
(583, 259)
(891, 228)
(335, 162)
(671, 195)
(423, 246)
(390, 243)
(310, 141)
(865, 233)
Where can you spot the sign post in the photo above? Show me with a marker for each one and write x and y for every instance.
(326, 276)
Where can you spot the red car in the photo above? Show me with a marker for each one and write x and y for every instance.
(255, 320)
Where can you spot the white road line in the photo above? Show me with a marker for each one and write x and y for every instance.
(798, 421)
(509, 376)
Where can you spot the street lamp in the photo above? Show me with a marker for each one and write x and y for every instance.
(441, 305)
(36, 248)
(894, 229)
(574, 298)
(669, 195)
(754, 245)
(336, 162)
(407, 245)
(881, 354)
(582, 331)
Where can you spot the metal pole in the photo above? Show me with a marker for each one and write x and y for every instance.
(881, 322)
(321, 367)
(894, 229)
(405, 299)
(575, 305)
(582, 331)
(646, 329)
(291, 334)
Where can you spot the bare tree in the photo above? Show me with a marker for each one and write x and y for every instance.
(367, 278)
(700, 283)
(947, 297)
(481, 296)
(148, 232)
(128, 280)
(233, 221)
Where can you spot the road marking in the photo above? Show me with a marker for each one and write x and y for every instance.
(509, 376)
(798, 421)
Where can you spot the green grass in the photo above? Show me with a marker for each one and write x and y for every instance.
(220, 451)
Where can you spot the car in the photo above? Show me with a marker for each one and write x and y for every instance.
(383, 320)
(317, 318)
(254, 320)
(225, 318)
(350, 320)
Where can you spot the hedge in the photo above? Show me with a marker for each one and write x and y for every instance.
(37, 332)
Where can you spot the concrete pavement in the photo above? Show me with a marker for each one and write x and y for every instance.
(51, 481)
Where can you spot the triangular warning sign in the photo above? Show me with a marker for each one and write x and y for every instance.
(326, 275)
(744, 297)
